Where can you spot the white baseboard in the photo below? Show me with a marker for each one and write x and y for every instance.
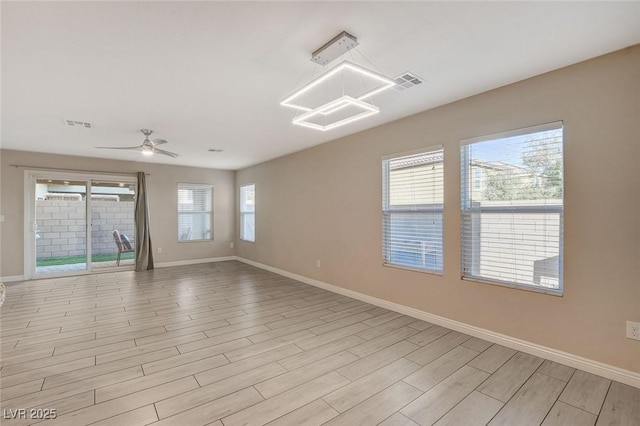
(608, 371)
(12, 278)
(194, 261)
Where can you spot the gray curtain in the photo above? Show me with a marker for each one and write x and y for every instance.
(144, 252)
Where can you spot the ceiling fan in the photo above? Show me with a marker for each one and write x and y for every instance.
(148, 147)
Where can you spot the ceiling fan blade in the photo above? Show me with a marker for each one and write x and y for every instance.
(157, 142)
(117, 147)
(163, 152)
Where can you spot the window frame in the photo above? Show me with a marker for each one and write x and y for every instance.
(387, 211)
(191, 185)
(467, 186)
(243, 213)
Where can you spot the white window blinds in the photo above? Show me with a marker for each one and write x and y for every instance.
(194, 212)
(412, 210)
(512, 207)
(248, 213)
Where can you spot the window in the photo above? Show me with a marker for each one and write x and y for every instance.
(248, 212)
(512, 223)
(412, 210)
(194, 212)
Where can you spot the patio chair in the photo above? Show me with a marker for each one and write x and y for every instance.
(186, 235)
(123, 243)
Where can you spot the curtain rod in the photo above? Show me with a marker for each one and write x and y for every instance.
(20, 166)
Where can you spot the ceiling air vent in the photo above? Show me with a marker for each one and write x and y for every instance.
(406, 80)
(73, 123)
(215, 150)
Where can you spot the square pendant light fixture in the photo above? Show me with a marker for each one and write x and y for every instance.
(346, 78)
(338, 96)
(339, 112)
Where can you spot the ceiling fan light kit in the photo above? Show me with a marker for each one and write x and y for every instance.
(337, 97)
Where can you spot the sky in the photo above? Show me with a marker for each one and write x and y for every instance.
(508, 149)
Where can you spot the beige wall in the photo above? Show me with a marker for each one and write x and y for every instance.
(324, 203)
(163, 204)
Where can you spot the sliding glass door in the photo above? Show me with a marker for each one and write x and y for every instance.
(60, 226)
(113, 226)
(78, 223)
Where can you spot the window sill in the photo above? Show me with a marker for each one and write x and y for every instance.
(543, 290)
(247, 241)
(407, 268)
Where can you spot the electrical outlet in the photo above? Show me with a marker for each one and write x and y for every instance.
(633, 330)
(159, 250)
(318, 263)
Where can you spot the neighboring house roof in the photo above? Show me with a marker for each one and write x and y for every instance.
(496, 165)
(415, 161)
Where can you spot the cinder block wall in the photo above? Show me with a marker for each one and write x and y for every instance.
(62, 231)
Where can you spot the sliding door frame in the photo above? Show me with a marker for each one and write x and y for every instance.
(30, 252)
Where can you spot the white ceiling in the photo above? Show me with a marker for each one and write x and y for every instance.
(211, 74)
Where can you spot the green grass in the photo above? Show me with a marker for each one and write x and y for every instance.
(69, 260)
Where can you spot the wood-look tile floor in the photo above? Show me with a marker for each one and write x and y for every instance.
(229, 344)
